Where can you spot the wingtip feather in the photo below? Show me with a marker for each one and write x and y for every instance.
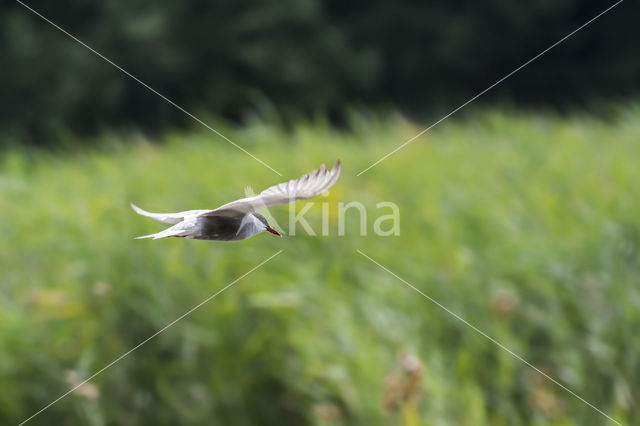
(136, 209)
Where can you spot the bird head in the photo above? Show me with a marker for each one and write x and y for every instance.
(267, 227)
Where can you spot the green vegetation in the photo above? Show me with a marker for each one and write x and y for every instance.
(527, 226)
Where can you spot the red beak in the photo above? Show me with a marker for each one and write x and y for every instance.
(273, 231)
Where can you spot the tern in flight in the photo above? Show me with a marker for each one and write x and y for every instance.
(238, 219)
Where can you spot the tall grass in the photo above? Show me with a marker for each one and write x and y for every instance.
(525, 225)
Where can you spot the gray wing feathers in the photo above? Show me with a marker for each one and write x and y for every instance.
(308, 186)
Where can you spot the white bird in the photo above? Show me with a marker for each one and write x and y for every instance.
(238, 219)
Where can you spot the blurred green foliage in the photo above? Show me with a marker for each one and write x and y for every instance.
(299, 57)
(527, 226)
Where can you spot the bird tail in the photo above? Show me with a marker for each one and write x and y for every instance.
(157, 235)
(177, 230)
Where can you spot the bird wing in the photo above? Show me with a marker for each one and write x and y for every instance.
(171, 218)
(308, 186)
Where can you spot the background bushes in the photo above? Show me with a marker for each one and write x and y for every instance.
(300, 57)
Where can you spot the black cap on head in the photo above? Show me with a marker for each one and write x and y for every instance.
(261, 218)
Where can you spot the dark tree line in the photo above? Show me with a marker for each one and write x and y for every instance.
(227, 57)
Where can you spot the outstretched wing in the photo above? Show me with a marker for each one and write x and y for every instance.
(308, 186)
(171, 218)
